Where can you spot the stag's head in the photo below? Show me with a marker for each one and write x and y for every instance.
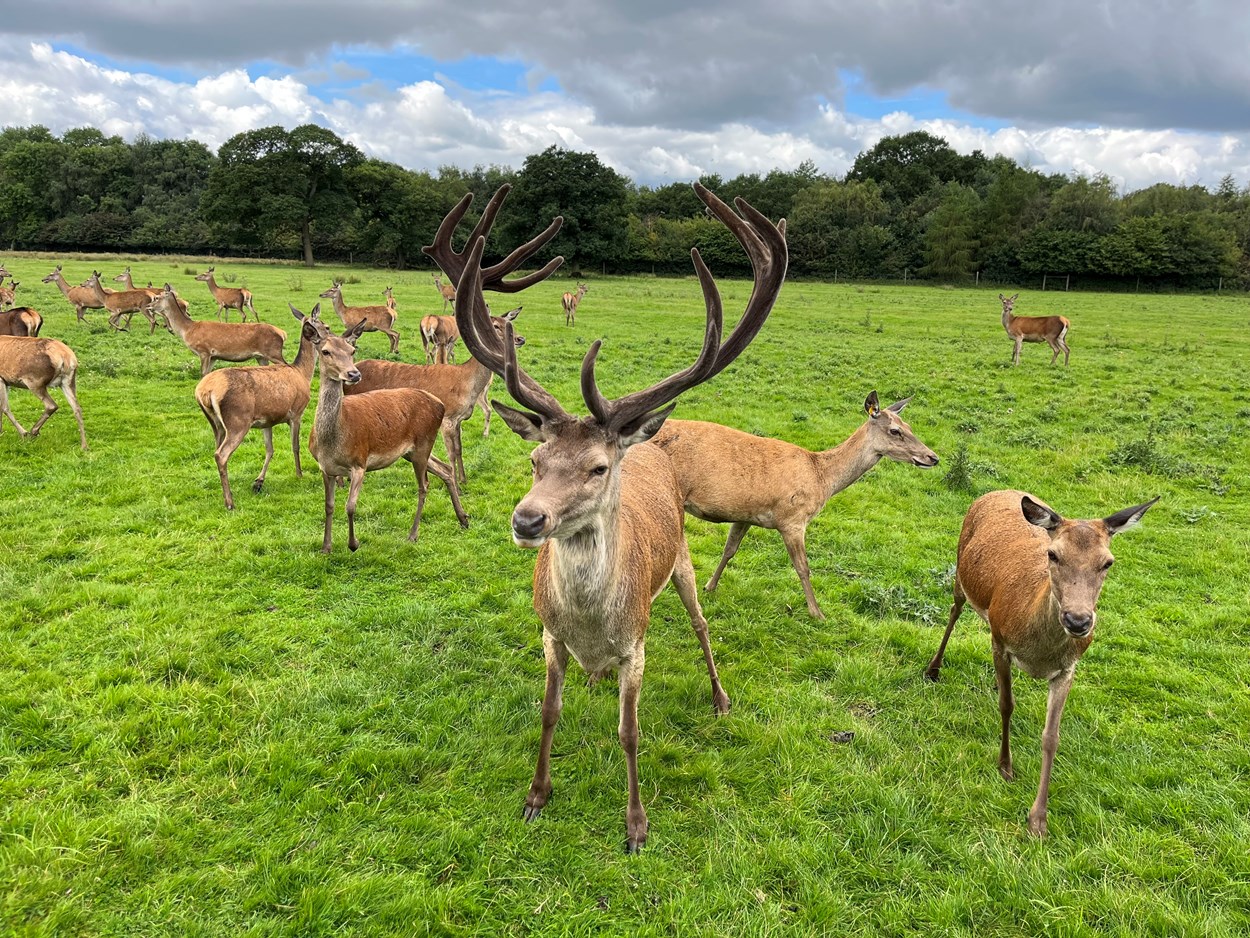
(1078, 558)
(891, 436)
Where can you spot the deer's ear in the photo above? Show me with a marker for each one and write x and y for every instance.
(295, 312)
(897, 406)
(512, 314)
(521, 422)
(1123, 520)
(1038, 514)
(872, 406)
(645, 427)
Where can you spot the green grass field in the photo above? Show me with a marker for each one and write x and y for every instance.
(206, 727)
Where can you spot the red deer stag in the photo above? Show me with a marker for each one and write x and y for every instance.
(234, 400)
(459, 387)
(81, 298)
(1020, 329)
(728, 475)
(569, 301)
(355, 435)
(39, 364)
(221, 341)
(228, 298)
(21, 321)
(604, 507)
(1035, 578)
(375, 318)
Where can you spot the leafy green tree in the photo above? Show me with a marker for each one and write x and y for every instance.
(397, 210)
(1047, 251)
(909, 165)
(841, 228)
(950, 238)
(1085, 204)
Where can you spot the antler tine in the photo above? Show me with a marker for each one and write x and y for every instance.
(524, 389)
(472, 319)
(492, 277)
(441, 250)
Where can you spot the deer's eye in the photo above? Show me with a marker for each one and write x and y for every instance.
(1052, 556)
(895, 431)
(1107, 565)
(599, 471)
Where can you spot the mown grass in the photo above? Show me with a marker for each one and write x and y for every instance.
(206, 727)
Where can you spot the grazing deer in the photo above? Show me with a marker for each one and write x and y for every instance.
(121, 303)
(228, 298)
(1020, 329)
(39, 364)
(728, 475)
(438, 337)
(375, 318)
(21, 321)
(1035, 578)
(221, 341)
(604, 507)
(447, 291)
(234, 400)
(459, 387)
(81, 298)
(570, 300)
(354, 435)
(8, 295)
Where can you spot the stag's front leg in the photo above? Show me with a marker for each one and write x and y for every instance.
(631, 688)
(557, 656)
(1055, 699)
(353, 493)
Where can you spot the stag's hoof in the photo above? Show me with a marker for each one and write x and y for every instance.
(531, 812)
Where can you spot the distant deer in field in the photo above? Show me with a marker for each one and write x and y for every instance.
(604, 506)
(459, 387)
(389, 294)
(122, 303)
(21, 321)
(355, 435)
(727, 475)
(228, 298)
(8, 295)
(214, 341)
(569, 301)
(39, 364)
(1020, 329)
(81, 298)
(447, 291)
(375, 318)
(234, 400)
(438, 337)
(1035, 578)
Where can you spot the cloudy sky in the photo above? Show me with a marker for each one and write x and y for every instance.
(1144, 90)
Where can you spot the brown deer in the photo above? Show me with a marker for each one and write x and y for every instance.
(81, 298)
(375, 318)
(604, 508)
(8, 295)
(221, 341)
(21, 321)
(726, 475)
(569, 301)
(354, 435)
(39, 364)
(234, 400)
(446, 290)
(1020, 329)
(438, 337)
(459, 387)
(122, 303)
(389, 294)
(228, 298)
(1035, 578)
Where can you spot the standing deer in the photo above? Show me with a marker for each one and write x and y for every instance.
(39, 364)
(727, 475)
(570, 300)
(459, 387)
(234, 400)
(604, 507)
(228, 298)
(215, 341)
(1035, 578)
(389, 294)
(121, 303)
(438, 337)
(21, 321)
(81, 298)
(1020, 329)
(8, 295)
(446, 290)
(354, 435)
(375, 318)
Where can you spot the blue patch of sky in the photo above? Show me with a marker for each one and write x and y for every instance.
(920, 102)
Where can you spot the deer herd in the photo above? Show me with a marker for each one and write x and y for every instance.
(605, 507)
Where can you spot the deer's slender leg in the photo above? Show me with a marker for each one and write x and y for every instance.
(355, 481)
(1006, 704)
(737, 531)
(230, 441)
(328, 481)
(49, 408)
(423, 486)
(684, 581)
(70, 389)
(267, 433)
(6, 411)
(631, 688)
(1055, 699)
(794, 538)
(295, 426)
(935, 665)
(557, 656)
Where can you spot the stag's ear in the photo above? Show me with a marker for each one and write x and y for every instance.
(872, 406)
(897, 406)
(521, 422)
(1038, 514)
(1123, 520)
(512, 314)
(645, 427)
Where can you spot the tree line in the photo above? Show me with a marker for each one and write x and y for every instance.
(910, 206)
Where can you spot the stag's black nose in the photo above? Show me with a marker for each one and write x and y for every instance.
(1078, 623)
(528, 524)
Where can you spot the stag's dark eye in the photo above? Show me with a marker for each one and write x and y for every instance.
(1052, 556)
(895, 431)
(1107, 565)
(599, 470)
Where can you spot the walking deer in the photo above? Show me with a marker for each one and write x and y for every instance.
(234, 400)
(81, 298)
(221, 341)
(604, 508)
(375, 318)
(569, 301)
(1035, 577)
(121, 303)
(38, 364)
(446, 290)
(228, 298)
(459, 387)
(1020, 329)
(726, 475)
(355, 435)
(438, 337)
(21, 321)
